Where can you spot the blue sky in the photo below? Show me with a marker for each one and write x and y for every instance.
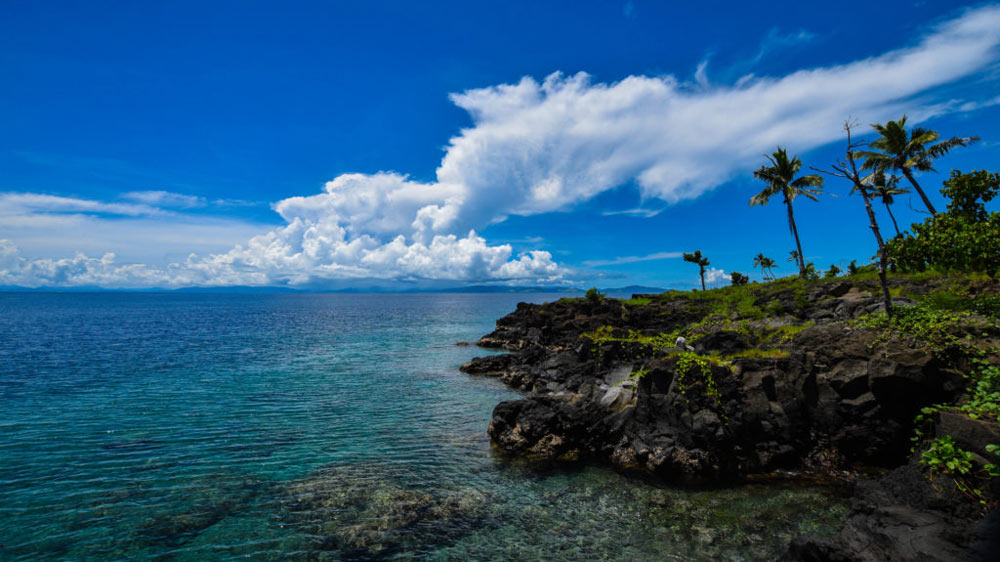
(191, 143)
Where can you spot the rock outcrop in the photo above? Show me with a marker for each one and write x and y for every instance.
(799, 387)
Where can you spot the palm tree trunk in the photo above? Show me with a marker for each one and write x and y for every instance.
(795, 233)
(883, 255)
(702, 272)
(927, 202)
(896, 226)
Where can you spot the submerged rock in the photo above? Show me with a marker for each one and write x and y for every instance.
(359, 512)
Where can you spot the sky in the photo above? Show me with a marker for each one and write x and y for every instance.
(409, 145)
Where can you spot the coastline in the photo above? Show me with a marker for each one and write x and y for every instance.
(785, 376)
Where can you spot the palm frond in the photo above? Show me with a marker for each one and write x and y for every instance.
(945, 146)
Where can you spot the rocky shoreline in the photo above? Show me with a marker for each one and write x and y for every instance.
(782, 377)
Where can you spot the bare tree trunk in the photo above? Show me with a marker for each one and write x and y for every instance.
(795, 233)
(896, 226)
(927, 202)
(883, 255)
(702, 272)
(849, 171)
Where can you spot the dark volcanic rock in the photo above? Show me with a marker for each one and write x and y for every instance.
(828, 398)
(904, 517)
(769, 413)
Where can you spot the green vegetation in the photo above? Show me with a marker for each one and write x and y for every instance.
(937, 331)
(944, 324)
(656, 343)
(738, 278)
(593, 295)
(693, 366)
(965, 238)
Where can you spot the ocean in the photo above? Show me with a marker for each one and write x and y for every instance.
(317, 427)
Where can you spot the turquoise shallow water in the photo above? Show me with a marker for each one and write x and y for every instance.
(192, 427)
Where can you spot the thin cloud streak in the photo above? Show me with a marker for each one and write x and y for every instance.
(634, 259)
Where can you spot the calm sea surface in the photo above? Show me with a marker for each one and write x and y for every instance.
(193, 427)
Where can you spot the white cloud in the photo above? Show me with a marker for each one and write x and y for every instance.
(633, 259)
(775, 40)
(537, 147)
(715, 275)
(15, 204)
(46, 226)
(165, 199)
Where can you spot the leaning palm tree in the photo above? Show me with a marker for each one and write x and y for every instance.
(780, 178)
(885, 189)
(699, 260)
(894, 150)
(765, 264)
(769, 263)
(758, 261)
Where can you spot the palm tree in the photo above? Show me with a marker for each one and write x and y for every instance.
(894, 150)
(769, 263)
(764, 263)
(702, 262)
(885, 189)
(780, 178)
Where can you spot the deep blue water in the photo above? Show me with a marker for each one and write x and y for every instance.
(187, 427)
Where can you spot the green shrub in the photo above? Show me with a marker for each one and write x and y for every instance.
(593, 295)
(964, 238)
(811, 273)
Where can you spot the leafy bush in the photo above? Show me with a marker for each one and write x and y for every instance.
(945, 457)
(938, 331)
(964, 238)
(811, 273)
(738, 278)
(832, 272)
(852, 268)
(593, 295)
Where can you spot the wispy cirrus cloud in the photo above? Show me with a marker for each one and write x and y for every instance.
(634, 259)
(161, 198)
(776, 40)
(172, 200)
(40, 203)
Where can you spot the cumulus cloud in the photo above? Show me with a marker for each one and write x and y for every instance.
(540, 146)
(715, 275)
